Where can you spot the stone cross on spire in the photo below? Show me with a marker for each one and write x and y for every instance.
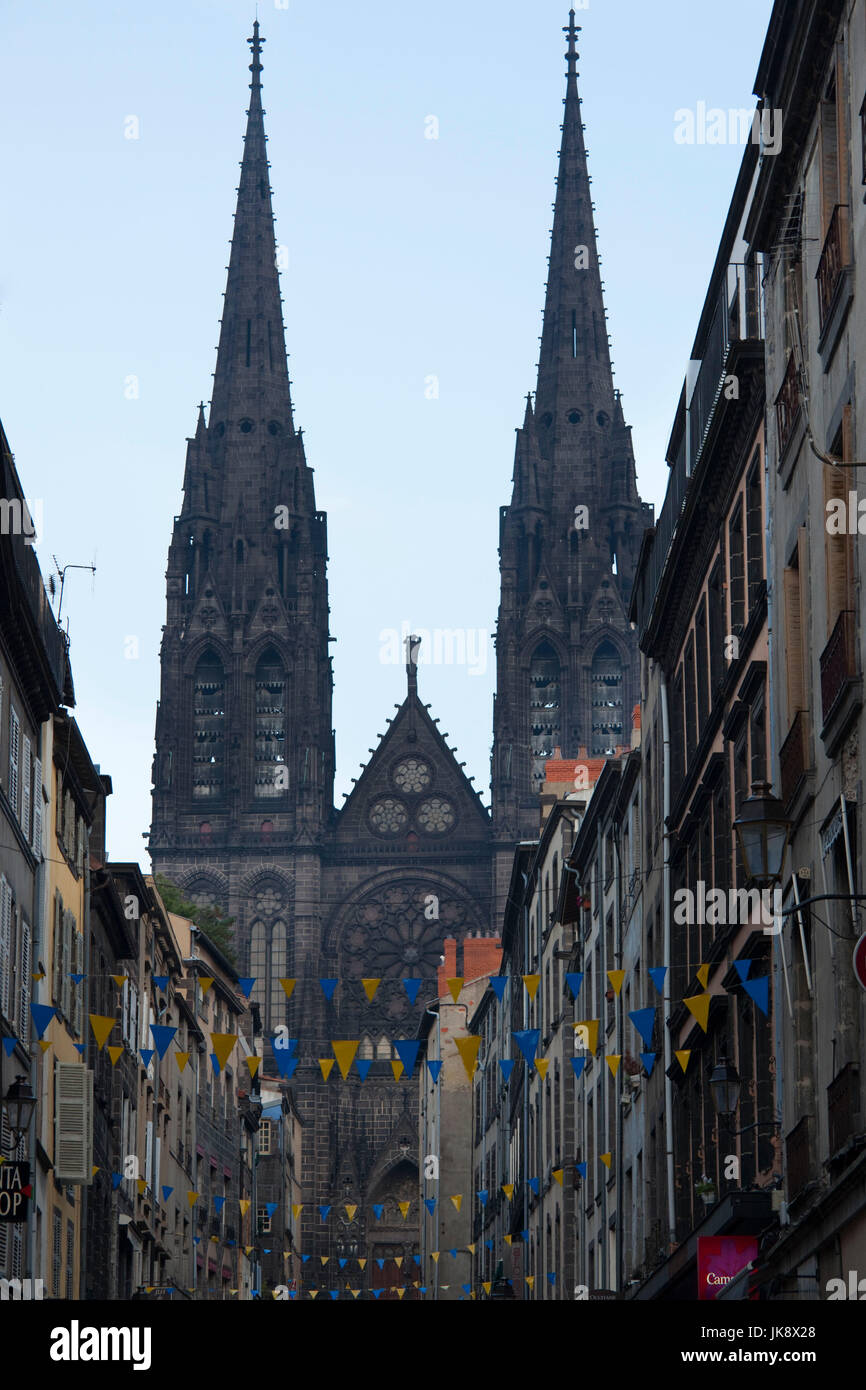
(571, 30)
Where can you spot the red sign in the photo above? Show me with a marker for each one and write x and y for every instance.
(720, 1258)
(860, 960)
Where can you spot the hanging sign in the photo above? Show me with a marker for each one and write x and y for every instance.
(14, 1191)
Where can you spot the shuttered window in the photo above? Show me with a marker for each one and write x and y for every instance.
(73, 1123)
(57, 959)
(26, 776)
(14, 753)
(70, 1257)
(839, 549)
(5, 949)
(57, 1254)
(78, 990)
(795, 628)
(37, 809)
(24, 968)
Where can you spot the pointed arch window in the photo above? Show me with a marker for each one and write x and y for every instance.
(545, 709)
(271, 772)
(209, 728)
(606, 682)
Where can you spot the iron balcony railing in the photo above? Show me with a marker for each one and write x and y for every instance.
(835, 258)
(788, 404)
(737, 316)
(794, 757)
(838, 664)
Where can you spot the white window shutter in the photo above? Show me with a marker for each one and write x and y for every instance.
(26, 774)
(73, 1123)
(14, 741)
(25, 966)
(37, 810)
(5, 947)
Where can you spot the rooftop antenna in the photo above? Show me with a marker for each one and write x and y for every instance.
(62, 573)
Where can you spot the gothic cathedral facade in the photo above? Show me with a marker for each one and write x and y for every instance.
(243, 808)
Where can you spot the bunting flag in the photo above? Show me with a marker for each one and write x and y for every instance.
(378, 1209)
(146, 1054)
(325, 1063)
(434, 1255)
(94, 1170)
(244, 1204)
(531, 983)
(699, 1006)
(430, 1204)
(582, 1168)
(9, 1044)
(454, 987)
(297, 1208)
(578, 1063)
(742, 968)
(116, 1180)
(161, 981)
(115, 1053)
(370, 987)
(507, 1239)
(215, 1063)
(205, 982)
(328, 986)
(351, 1208)
(574, 980)
(181, 1058)
(192, 1198)
(587, 1032)
(219, 1203)
(759, 992)
(162, 1036)
(644, 1022)
(246, 983)
(45, 1043)
(527, 1041)
(533, 1183)
(120, 980)
(141, 1185)
(468, 1049)
(270, 1208)
(253, 1063)
(286, 1063)
(541, 1065)
(486, 1287)
(606, 1159)
(323, 1212)
(434, 1069)
(470, 1248)
(683, 1057)
(42, 1015)
(458, 1201)
(363, 1262)
(530, 1279)
(324, 1258)
(404, 1211)
(508, 1189)
(551, 1274)
(412, 987)
(397, 1068)
(483, 1196)
(657, 975)
(649, 1061)
(613, 1060)
(80, 1048)
(345, 1055)
(288, 987)
(223, 1043)
(497, 984)
(557, 1173)
(363, 1066)
(407, 1051)
(75, 978)
(616, 978)
(37, 976)
(506, 1066)
(703, 975)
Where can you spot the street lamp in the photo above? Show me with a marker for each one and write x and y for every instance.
(18, 1103)
(762, 830)
(725, 1088)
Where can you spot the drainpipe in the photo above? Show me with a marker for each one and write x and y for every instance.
(617, 1079)
(85, 929)
(666, 912)
(601, 1118)
(438, 1131)
(778, 940)
(525, 878)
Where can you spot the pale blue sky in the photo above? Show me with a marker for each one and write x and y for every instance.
(408, 257)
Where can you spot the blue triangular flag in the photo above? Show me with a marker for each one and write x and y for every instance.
(214, 1061)
(380, 1263)
(42, 1015)
(328, 987)
(9, 1046)
(196, 1240)
(342, 1263)
(483, 1196)
(581, 1168)
(376, 1293)
(453, 1253)
(423, 1288)
(323, 1212)
(434, 1069)
(146, 1055)
(378, 1208)
(574, 980)
(304, 1258)
(231, 1242)
(525, 1235)
(527, 1041)
(219, 1203)
(255, 1292)
(649, 1061)
(742, 968)
(270, 1208)
(364, 1064)
(80, 1047)
(417, 1259)
(497, 984)
(116, 1180)
(246, 983)
(551, 1274)
(334, 1293)
(644, 1022)
(282, 1044)
(533, 1183)
(285, 1063)
(467, 1288)
(489, 1244)
(759, 991)
(76, 979)
(657, 975)
(162, 1036)
(166, 1193)
(578, 1063)
(407, 1051)
(430, 1204)
(506, 1066)
(412, 987)
(161, 981)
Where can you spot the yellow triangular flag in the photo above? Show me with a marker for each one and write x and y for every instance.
(287, 1255)
(215, 1240)
(404, 1208)
(94, 1170)
(530, 1279)
(354, 1292)
(327, 1065)
(471, 1248)
(541, 1065)
(244, 1205)
(313, 1293)
(616, 978)
(507, 1239)
(192, 1198)
(370, 987)
(703, 974)
(181, 1058)
(222, 1046)
(532, 982)
(248, 1250)
(557, 1173)
(468, 1049)
(699, 1006)
(487, 1288)
(288, 986)
(205, 981)
(102, 1026)
(401, 1291)
(254, 1063)
(363, 1262)
(434, 1255)
(44, 1043)
(38, 975)
(398, 1069)
(613, 1060)
(587, 1031)
(115, 1053)
(324, 1259)
(297, 1208)
(345, 1055)
(454, 987)
(235, 1291)
(351, 1208)
(683, 1057)
(120, 980)
(398, 1260)
(142, 1186)
(149, 1288)
(458, 1201)
(606, 1159)
(508, 1189)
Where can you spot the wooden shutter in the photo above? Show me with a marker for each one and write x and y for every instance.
(78, 990)
(25, 966)
(26, 775)
(37, 809)
(57, 958)
(14, 741)
(65, 967)
(73, 1123)
(837, 549)
(5, 949)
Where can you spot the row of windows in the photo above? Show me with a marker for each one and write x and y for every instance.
(269, 729)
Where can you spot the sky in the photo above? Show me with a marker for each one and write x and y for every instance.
(413, 289)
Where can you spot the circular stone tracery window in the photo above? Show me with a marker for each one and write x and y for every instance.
(412, 775)
(388, 816)
(435, 815)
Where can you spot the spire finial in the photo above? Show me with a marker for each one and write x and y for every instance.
(256, 45)
(571, 30)
(412, 645)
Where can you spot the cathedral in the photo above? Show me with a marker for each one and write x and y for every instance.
(243, 775)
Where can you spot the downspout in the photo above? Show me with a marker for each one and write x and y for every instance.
(666, 911)
(85, 931)
(526, 971)
(619, 1048)
(601, 1118)
(37, 953)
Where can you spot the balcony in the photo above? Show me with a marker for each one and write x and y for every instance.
(841, 686)
(788, 403)
(843, 1107)
(794, 762)
(834, 260)
(797, 1158)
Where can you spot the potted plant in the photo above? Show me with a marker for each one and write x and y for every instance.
(706, 1190)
